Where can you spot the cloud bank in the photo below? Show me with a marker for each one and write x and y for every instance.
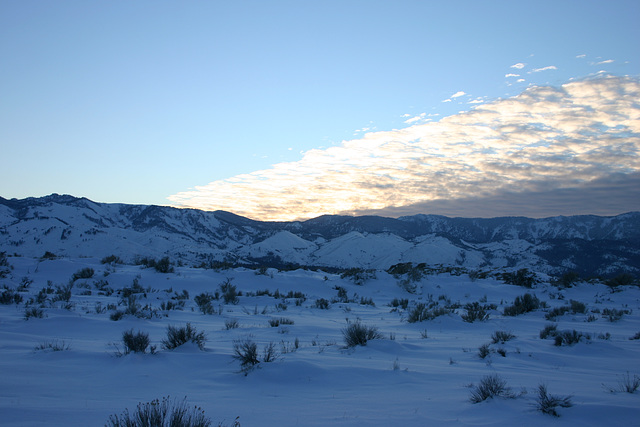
(548, 151)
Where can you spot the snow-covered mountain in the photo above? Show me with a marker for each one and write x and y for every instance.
(78, 227)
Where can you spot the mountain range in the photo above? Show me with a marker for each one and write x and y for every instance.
(78, 227)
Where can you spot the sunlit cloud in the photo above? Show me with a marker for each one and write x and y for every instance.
(458, 94)
(608, 61)
(547, 141)
(550, 67)
(512, 75)
(518, 66)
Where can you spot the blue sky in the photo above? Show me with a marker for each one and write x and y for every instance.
(138, 102)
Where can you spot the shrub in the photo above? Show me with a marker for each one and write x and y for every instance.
(274, 323)
(483, 351)
(322, 304)
(9, 296)
(490, 386)
(521, 277)
(135, 342)
(164, 265)
(231, 324)
(522, 304)
(358, 276)
(613, 315)
(358, 334)
(623, 279)
(246, 352)
(569, 337)
(179, 336)
(476, 311)
(421, 312)
(568, 279)
(399, 303)
(635, 337)
(556, 311)
(547, 403)
(111, 259)
(628, 384)
(116, 315)
(63, 292)
(269, 353)
(161, 413)
(367, 301)
(53, 345)
(578, 307)
(204, 302)
(549, 330)
(229, 292)
(85, 273)
(36, 312)
(500, 337)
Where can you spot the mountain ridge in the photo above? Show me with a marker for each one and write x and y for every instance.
(77, 226)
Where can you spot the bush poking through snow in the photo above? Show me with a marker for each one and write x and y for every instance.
(483, 351)
(9, 296)
(274, 323)
(204, 302)
(178, 336)
(522, 304)
(85, 273)
(135, 342)
(34, 312)
(53, 345)
(161, 413)
(476, 312)
(358, 334)
(549, 330)
(569, 337)
(490, 386)
(626, 384)
(547, 403)
(229, 292)
(245, 351)
(501, 337)
(322, 304)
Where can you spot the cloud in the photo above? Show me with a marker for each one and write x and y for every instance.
(518, 66)
(550, 67)
(458, 94)
(526, 155)
(512, 75)
(608, 61)
(581, 56)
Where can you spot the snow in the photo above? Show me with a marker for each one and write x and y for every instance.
(322, 382)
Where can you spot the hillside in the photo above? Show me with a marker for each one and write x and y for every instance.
(77, 227)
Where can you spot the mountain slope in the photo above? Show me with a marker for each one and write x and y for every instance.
(70, 226)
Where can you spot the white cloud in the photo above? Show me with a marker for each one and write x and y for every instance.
(458, 94)
(447, 100)
(545, 139)
(550, 67)
(512, 75)
(608, 61)
(518, 66)
(581, 56)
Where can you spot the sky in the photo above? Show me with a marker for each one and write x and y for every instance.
(286, 110)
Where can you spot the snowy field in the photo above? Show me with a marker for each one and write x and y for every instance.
(418, 373)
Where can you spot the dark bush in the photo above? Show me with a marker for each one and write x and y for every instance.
(547, 403)
(85, 273)
(522, 304)
(490, 386)
(476, 312)
(178, 336)
(164, 265)
(322, 303)
(204, 301)
(111, 259)
(500, 337)
(358, 334)
(229, 292)
(135, 342)
(246, 352)
(9, 296)
(165, 413)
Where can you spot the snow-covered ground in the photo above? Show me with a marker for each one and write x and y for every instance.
(418, 374)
